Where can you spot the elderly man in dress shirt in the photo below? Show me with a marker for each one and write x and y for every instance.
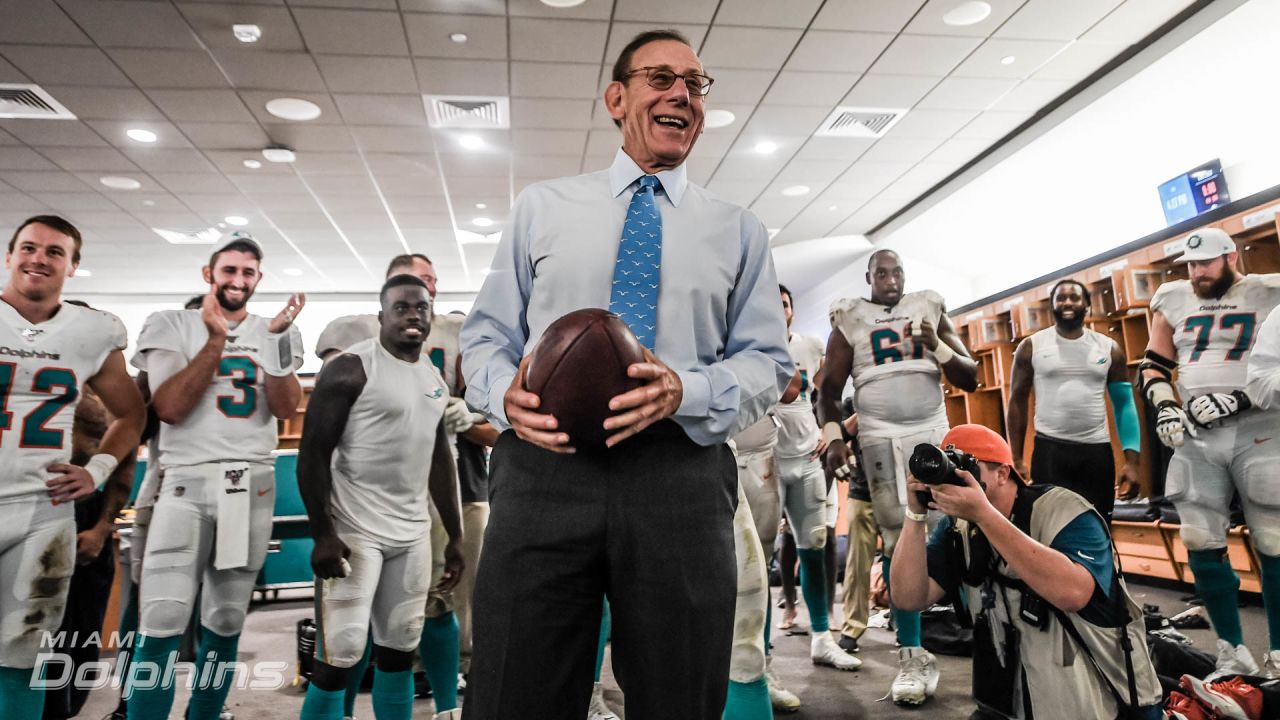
(649, 521)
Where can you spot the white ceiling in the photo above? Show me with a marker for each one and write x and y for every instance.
(372, 179)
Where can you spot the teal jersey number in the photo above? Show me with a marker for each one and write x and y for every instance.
(46, 380)
(804, 381)
(886, 346)
(1202, 326)
(243, 372)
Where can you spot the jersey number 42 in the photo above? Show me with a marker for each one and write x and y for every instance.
(59, 383)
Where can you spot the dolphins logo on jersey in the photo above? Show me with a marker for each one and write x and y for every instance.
(30, 334)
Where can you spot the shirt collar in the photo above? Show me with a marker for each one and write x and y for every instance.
(624, 172)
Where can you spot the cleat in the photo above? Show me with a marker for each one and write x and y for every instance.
(917, 678)
(1233, 661)
(1181, 707)
(824, 651)
(1271, 665)
(1225, 699)
(782, 699)
(598, 710)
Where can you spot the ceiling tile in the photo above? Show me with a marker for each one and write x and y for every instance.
(133, 24)
(492, 141)
(867, 178)
(58, 133)
(169, 160)
(924, 55)
(256, 101)
(958, 151)
(787, 120)
(225, 136)
(737, 47)
(429, 36)
(124, 197)
(38, 22)
(269, 184)
(738, 86)
(889, 91)
(307, 138)
(352, 32)
(553, 165)
(170, 69)
(548, 142)
(987, 60)
(48, 181)
(816, 174)
(540, 39)
(600, 143)
(899, 150)
(931, 123)
(834, 148)
(167, 136)
(70, 202)
(1055, 20)
(317, 163)
(792, 87)
(737, 190)
(213, 21)
(929, 20)
(581, 11)
(388, 165)
(792, 14)
(393, 139)
(20, 158)
(554, 80)
(90, 103)
(955, 93)
(88, 159)
(1134, 20)
(866, 15)
(665, 12)
(11, 74)
(201, 105)
(65, 65)
(438, 76)
(828, 50)
(621, 33)
(351, 73)
(992, 125)
(382, 109)
(1078, 61)
(529, 113)
(458, 165)
(426, 182)
(1032, 95)
(252, 69)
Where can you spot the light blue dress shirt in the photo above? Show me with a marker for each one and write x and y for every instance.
(720, 322)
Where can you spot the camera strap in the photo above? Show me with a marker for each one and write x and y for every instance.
(1127, 709)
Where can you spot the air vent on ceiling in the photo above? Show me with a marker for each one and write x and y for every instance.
(855, 122)
(31, 101)
(463, 111)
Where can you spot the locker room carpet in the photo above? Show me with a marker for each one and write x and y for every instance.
(827, 694)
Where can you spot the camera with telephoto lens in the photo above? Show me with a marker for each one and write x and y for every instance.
(932, 465)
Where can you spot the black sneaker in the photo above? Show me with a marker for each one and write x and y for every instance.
(848, 644)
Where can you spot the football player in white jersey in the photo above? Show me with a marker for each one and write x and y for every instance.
(896, 346)
(446, 636)
(804, 489)
(374, 457)
(220, 378)
(47, 349)
(1223, 445)
(1073, 370)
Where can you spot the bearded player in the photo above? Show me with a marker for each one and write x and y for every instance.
(897, 347)
(374, 457)
(47, 348)
(220, 379)
(1205, 328)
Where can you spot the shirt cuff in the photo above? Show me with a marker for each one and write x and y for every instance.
(497, 401)
(696, 400)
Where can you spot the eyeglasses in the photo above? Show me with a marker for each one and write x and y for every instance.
(662, 79)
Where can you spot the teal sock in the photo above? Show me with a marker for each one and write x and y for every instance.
(748, 701)
(606, 626)
(439, 651)
(215, 673)
(149, 691)
(355, 678)
(393, 695)
(1219, 588)
(322, 704)
(908, 623)
(1271, 595)
(768, 624)
(19, 700)
(813, 585)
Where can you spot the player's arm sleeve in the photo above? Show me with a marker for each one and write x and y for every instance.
(725, 397)
(1126, 411)
(1263, 386)
(495, 332)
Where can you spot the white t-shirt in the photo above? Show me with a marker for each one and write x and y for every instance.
(1070, 377)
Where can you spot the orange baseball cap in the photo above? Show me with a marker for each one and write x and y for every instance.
(983, 443)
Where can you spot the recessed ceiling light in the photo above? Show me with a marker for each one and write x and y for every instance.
(143, 136)
(279, 154)
(795, 190)
(482, 222)
(718, 118)
(481, 206)
(291, 272)
(967, 13)
(81, 272)
(293, 109)
(458, 37)
(471, 142)
(236, 220)
(486, 271)
(252, 164)
(562, 3)
(247, 33)
(1007, 60)
(833, 208)
(149, 203)
(120, 183)
(766, 147)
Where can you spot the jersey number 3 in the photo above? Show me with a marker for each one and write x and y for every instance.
(243, 372)
(46, 380)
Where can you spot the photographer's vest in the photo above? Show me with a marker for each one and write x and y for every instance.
(1061, 680)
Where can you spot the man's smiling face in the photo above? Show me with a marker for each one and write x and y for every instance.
(659, 127)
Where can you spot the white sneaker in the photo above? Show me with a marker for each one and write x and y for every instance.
(598, 709)
(1271, 665)
(1233, 661)
(454, 714)
(917, 678)
(824, 651)
(782, 699)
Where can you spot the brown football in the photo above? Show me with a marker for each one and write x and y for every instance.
(578, 365)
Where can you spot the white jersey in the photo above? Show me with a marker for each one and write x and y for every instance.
(798, 433)
(442, 346)
(1264, 364)
(1214, 336)
(381, 466)
(231, 420)
(759, 436)
(1070, 384)
(43, 367)
(897, 380)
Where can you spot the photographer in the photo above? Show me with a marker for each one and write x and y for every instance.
(1054, 625)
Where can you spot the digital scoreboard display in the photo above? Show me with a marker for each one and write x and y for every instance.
(1194, 192)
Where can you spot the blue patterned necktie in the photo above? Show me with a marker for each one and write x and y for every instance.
(636, 274)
